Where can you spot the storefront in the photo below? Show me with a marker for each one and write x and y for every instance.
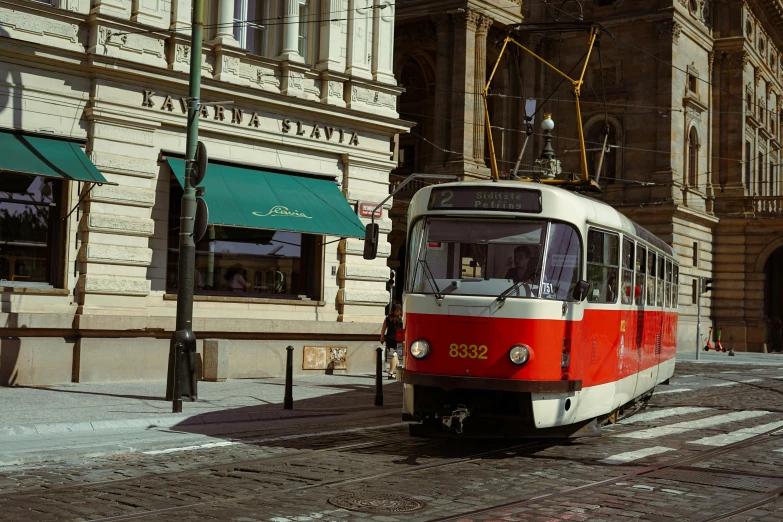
(89, 245)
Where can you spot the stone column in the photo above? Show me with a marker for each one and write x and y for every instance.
(290, 50)
(225, 28)
(383, 41)
(359, 38)
(332, 37)
(479, 80)
(442, 78)
(463, 85)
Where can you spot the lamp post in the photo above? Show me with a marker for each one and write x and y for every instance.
(182, 378)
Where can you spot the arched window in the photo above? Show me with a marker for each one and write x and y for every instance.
(693, 158)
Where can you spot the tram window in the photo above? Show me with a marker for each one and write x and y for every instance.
(676, 288)
(641, 269)
(659, 297)
(652, 261)
(30, 230)
(478, 257)
(602, 264)
(668, 284)
(416, 237)
(626, 295)
(563, 262)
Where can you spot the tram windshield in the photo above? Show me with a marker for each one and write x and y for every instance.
(530, 258)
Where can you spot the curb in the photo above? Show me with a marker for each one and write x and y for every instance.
(167, 421)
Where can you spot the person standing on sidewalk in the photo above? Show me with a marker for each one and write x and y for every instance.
(389, 337)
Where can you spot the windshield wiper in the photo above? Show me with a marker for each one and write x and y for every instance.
(508, 291)
(431, 278)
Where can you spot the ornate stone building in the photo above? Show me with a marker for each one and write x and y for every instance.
(95, 91)
(691, 93)
(441, 55)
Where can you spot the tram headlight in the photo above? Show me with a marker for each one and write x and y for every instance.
(420, 348)
(519, 354)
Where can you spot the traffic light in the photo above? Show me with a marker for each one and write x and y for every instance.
(706, 286)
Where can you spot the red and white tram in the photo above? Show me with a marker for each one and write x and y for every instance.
(531, 310)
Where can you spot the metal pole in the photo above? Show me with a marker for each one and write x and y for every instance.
(288, 400)
(182, 381)
(379, 376)
(698, 318)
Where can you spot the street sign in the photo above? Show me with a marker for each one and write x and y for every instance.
(365, 208)
(200, 168)
(202, 220)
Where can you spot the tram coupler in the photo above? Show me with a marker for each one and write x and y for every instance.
(458, 416)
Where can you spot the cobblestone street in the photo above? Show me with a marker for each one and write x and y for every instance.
(707, 447)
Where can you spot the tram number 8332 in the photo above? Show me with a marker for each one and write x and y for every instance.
(465, 351)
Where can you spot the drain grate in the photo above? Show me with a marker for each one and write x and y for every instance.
(732, 481)
(377, 503)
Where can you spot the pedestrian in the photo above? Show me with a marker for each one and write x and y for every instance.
(391, 324)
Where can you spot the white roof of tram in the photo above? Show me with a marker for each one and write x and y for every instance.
(557, 203)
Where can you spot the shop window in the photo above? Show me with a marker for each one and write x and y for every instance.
(30, 230)
(247, 262)
(603, 251)
(250, 25)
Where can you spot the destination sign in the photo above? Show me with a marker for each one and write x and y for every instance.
(502, 199)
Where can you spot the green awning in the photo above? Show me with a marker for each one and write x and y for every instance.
(39, 156)
(251, 198)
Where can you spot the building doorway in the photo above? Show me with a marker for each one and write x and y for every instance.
(773, 301)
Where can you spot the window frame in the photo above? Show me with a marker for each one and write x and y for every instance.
(627, 296)
(240, 27)
(605, 266)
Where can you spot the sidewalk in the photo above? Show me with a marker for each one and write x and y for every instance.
(74, 408)
(741, 358)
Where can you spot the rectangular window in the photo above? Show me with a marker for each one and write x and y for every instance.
(603, 252)
(676, 287)
(759, 173)
(250, 25)
(304, 27)
(627, 293)
(247, 262)
(692, 85)
(641, 270)
(659, 297)
(668, 296)
(30, 231)
(695, 254)
(748, 165)
(652, 260)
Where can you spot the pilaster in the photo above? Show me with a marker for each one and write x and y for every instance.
(442, 91)
(334, 41)
(383, 41)
(463, 76)
(359, 38)
(479, 79)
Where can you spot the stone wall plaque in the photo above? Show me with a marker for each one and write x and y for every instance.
(325, 358)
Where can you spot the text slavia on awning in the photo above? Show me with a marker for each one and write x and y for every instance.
(254, 198)
(47, 157)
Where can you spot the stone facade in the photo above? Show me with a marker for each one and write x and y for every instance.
(692, 96)
(112, 75)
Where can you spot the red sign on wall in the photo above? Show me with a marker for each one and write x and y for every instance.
(365, 209)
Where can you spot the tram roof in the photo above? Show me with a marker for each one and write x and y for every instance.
(580, 208)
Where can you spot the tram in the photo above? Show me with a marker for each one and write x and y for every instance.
(531, 310)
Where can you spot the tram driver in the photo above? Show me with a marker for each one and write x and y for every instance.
(521, 268)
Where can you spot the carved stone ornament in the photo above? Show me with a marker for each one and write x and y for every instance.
(756, 76)
(735, 59)
(468, 19)
(484, 24)
(669, 32)
(711, 60)
(231, 64)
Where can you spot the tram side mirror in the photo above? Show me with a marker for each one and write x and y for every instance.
(371, 241)
(580, 290)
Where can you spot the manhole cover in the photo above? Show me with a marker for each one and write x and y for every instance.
(376, 503)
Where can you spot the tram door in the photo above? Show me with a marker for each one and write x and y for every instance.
(628, 356)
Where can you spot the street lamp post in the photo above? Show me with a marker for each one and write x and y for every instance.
(182, 378)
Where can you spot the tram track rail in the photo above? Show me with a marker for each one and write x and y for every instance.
(648, 470)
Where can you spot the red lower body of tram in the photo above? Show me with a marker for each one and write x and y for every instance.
(579, 372)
